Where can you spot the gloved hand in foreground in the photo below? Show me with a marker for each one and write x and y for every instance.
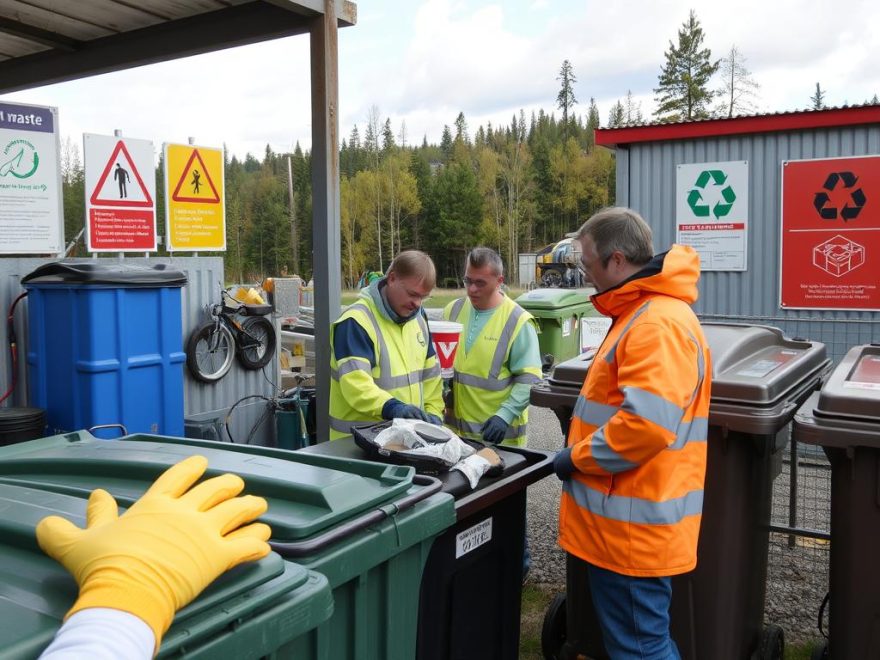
(563, 466)
(164, 550)
(434, 419)
(394, 409)
(494, 429)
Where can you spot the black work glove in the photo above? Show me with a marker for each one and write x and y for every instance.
(394, 409)
(563, 466)
(434, 419)
(494, 429)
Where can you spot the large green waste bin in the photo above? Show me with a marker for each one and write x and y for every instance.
(844, 419)
(254, 610)
(367, 527)
(558, 313)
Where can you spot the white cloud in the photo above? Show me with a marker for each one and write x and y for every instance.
(424, 62)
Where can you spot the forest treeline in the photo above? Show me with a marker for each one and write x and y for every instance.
(515, 188)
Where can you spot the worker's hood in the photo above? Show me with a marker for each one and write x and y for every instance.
(674, 273)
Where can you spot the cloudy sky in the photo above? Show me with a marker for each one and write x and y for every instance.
(423, 61)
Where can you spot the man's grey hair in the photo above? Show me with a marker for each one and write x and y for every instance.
(483, 256)
(619, 229)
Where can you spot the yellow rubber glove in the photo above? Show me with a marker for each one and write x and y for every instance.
(161, 553)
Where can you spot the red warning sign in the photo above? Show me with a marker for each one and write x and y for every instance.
(830, 233)
(120, 192)
(197, 179)
(122, 175)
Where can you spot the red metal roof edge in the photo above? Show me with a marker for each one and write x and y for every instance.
(792, 121)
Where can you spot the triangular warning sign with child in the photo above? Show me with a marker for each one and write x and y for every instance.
(195, 183)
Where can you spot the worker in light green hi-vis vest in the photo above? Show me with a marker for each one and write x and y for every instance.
(497, 360)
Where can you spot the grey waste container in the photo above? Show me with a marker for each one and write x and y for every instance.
(760, 377)
(844, 419)
(469, 604)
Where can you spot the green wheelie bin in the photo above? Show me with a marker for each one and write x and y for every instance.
(365, 527)
(255, 610)
(558, 313)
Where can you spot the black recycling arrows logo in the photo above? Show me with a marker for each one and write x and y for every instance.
(851, 208)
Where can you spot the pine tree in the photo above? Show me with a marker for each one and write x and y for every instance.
(818, 99)
(446, 142)
(387, 137)
(461, 129)
(617, 115)
(632, 109)
(682, 92)
(593, 122)
(565, 100)
(738, 87)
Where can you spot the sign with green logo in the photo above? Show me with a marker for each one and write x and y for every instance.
(31, 216)
(711, 208)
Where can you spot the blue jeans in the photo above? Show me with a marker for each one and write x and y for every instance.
(633, 613)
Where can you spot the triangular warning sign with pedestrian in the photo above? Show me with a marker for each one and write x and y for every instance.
(195, 183)
(120, 183)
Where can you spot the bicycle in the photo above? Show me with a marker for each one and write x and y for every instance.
(236, 330)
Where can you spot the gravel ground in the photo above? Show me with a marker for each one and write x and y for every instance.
(797, 575)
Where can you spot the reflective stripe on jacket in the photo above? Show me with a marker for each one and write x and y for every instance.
(403, 370)
(483, 380)
(639, 429)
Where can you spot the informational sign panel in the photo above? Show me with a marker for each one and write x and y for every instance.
(830, 247)
(31, 213)
(120, 194)
(194, 198)
(712, 212)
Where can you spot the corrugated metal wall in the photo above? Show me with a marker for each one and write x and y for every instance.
(201, 401)
(646, 182)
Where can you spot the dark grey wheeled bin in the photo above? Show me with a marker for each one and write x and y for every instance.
(469, 602)
(760, 377)
(844, 419)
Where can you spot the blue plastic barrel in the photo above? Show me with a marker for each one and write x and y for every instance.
(105, 346)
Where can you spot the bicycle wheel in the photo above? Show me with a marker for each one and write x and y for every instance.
(209, 352)
(256, 342)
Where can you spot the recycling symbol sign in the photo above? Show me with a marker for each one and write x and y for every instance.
(854, 198)
(701, 205)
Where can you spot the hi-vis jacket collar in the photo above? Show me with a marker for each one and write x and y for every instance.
(674, 273)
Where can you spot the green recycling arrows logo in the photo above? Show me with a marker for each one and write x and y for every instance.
(701, 207)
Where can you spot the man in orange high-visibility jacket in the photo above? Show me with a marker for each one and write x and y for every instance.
(635, 461)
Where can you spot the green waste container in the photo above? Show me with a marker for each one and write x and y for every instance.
(255, 610)
(367, 527)
(558, 313)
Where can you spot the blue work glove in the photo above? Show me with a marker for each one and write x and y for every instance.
(494, 429)
(394, 409)
(433, 419)
(563, 466)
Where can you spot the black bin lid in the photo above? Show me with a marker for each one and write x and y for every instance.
(853, 389)
(751, 365)
(758, 365)
(89, 273)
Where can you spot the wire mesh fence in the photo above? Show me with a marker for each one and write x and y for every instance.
(797, 572)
